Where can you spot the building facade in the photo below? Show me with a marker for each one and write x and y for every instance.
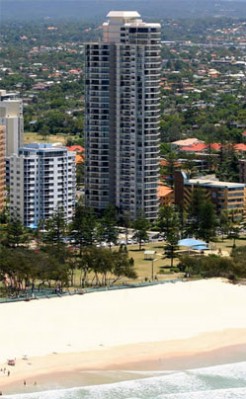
(122, 116)
(2, 167)
(11, 116)
(242, 170)
(41, 179)
(226, 196)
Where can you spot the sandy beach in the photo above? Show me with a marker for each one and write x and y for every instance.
(66, 341)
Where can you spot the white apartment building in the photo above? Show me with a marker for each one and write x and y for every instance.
(11, 116)
(41, 179)
(122, 116)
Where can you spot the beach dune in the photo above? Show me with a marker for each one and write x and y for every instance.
(116, 329)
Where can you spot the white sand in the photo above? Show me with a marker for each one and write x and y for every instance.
(101, 320)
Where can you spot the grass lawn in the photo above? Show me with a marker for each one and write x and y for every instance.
(161, 264)
(144, 267)
(31, 137)
(227, 244)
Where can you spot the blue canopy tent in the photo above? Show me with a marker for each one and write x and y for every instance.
(32, 226)
(193, 243)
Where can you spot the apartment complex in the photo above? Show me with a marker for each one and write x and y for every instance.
(2, 167)
(11, 116)
(122, 116)
(225, 196)
(41, 179)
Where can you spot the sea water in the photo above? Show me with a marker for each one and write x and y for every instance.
(226, 381)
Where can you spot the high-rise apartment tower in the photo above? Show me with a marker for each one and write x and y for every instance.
(122, 116)
(2, 167)
(11, 116)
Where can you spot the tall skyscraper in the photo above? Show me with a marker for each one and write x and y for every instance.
(122, 116)
(11, 116)
(2, 167)
(41, 179)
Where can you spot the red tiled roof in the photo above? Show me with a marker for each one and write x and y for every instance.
(199, 147)
(164, 190)
(240, 147)
(215, 146)
(76, 148)
(79, 159)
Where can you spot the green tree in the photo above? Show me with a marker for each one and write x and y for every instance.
(169, 224)
(107, 266)
(141, 226)
(229, 164)
(195, 211)
(123, 266)
(168, 220)
(83, 227)
(56, 228)
(238, 255)
(207, 267)
(224, 224)
(16, 233)
(56, 236)
(108, 230)
(170, 167)
(172, 239)
(234, 234)
(208, 221)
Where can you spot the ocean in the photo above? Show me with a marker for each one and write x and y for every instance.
(227, 381)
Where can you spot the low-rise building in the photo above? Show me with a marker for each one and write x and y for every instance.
(226, 196)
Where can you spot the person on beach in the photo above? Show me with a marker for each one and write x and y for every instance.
(24, 382)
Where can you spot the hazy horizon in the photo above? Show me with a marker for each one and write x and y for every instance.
(97, 9)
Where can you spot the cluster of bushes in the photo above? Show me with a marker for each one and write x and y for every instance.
(233, 267)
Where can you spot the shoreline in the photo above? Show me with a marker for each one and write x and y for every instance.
(115, 364)
(122, 334)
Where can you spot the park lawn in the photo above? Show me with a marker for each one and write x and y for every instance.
(227, 244)
(143, 267)
(161, 264)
